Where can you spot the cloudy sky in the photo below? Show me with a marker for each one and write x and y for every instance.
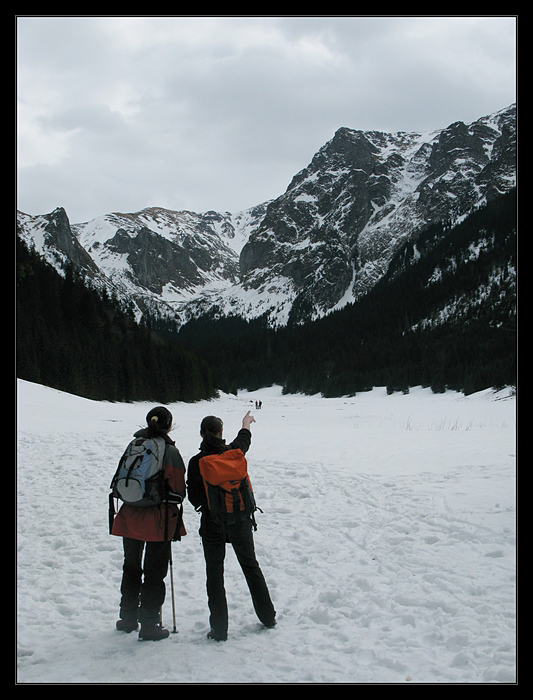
(118, 113)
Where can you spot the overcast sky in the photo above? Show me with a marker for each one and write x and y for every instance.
(119, 113)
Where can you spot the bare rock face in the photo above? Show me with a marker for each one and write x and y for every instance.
(52, 234)
(336, 228)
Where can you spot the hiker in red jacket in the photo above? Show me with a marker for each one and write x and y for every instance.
(215, 536)
(143, 529)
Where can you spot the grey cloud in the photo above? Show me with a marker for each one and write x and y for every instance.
(220, 112)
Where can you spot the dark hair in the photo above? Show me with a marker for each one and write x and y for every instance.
(210, 429)
(159, 420)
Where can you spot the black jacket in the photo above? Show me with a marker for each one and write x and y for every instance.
(195, 486)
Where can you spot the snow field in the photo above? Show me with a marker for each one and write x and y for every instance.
(387, 540)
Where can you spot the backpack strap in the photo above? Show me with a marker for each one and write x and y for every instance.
(177, 533)
(112, 512)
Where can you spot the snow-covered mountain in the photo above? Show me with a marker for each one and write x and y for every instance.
(156, 259)
(323, 243)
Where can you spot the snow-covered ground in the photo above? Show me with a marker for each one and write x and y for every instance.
(387, 539)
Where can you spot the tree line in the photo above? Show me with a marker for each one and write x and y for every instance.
(468, 342)
(451, 330)
(79, 340)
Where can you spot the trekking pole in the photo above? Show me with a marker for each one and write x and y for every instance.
(174, 630)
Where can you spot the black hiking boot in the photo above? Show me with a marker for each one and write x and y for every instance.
(269, 625)
(153, 632)
(125, 626)
(217, 637)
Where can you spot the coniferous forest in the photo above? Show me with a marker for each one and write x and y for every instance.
(444, 316)
(72, 338)
(468, 342)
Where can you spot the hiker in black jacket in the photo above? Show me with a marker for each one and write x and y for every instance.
(214, 536)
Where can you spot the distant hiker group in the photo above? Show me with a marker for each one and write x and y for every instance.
(152, 483)
(258, 404)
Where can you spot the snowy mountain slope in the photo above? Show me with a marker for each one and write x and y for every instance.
(335, 230)
(156, 259)
(323, 243)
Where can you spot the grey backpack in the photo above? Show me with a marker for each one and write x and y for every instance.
(138, 480)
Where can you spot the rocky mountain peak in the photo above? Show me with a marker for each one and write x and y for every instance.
(323, 243)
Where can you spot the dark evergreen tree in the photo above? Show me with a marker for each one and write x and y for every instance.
(72, 338)
(453, 330)
(444, 316)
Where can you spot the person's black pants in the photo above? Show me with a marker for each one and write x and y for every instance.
(240, 536)
(143, 596)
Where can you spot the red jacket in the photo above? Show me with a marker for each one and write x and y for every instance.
(148, 524)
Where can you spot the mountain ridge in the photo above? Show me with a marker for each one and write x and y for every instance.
(323, 243)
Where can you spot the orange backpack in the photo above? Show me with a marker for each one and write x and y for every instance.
(228, 486)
